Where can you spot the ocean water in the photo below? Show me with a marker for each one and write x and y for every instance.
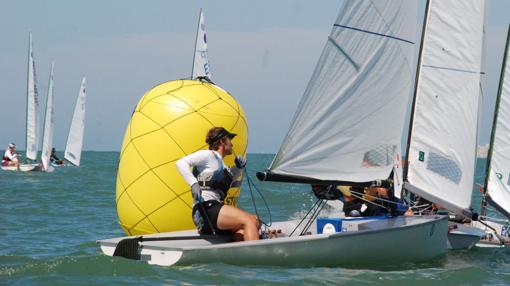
(49, 223)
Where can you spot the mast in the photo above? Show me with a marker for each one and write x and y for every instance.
(417, 79)
(196, 42)
(483, 207)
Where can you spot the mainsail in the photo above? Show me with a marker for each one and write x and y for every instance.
(200, 59)
(75, 138)
(443, 133)
(32, 141)
(498, 175)
(48, 127)
(349, 122)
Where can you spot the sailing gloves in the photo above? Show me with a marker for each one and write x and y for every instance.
(240, 162)
(197, 193)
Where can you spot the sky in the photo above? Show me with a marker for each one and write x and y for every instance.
(263, 52)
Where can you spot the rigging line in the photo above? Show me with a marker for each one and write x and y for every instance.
(377, 198)
(250, 184)
(297, 226)
(376, 204)
(488, 218)
(373, 33)
(313, 217)
(453, 69)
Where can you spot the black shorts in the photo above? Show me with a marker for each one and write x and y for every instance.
(212, 209)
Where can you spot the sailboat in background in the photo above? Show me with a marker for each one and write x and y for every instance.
(441, 153)
(496, 191)
(365, 68)
(74, 143)
(32, 107)
(201, 67)
(49, 122)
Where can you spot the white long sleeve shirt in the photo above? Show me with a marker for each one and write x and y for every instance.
(208, 165)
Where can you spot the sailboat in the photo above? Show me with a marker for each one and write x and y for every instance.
(442, 142)
(357, 92)
(496, 191)
(49, 122)
(32, 143)
(74, 143)
(201, 68)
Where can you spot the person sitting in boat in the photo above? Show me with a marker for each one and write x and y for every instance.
(210, 179)
(54, 159)
(365, 201)
(11, 157)
(357, 201)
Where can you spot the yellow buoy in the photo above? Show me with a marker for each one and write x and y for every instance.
(171, 121)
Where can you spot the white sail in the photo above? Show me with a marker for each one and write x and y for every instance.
(200, 59)
(498, 187)
(32, 138)
(75, 138)
(349, 122)
(443, 138)
(48, 127)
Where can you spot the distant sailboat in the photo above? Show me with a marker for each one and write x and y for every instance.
(443, 132)
(201, 66)
(49, 122)
(74, 144)
(32, 108)
(497, 183)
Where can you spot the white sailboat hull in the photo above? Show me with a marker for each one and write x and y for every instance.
(374, 243)
(22, 167)
(463, 236)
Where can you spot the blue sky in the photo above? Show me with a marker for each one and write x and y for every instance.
(263, 52)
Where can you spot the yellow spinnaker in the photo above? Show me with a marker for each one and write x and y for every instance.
(171, 121)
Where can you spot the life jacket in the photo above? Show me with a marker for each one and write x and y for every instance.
(221, 185)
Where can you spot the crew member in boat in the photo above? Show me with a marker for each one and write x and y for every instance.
(359, 201)
(11, 157)
(210, 180)
(54, 159)
(364, 201)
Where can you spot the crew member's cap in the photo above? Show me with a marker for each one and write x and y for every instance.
(12, 145)
(215, 134)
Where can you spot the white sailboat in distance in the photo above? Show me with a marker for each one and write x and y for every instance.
(49, 122)
(365, 68)
(74, 143)
(32, 108)
(201, 68)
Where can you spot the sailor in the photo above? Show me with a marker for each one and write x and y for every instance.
(357, 201)
(54, 159)
(11, 157)
(210, 180)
